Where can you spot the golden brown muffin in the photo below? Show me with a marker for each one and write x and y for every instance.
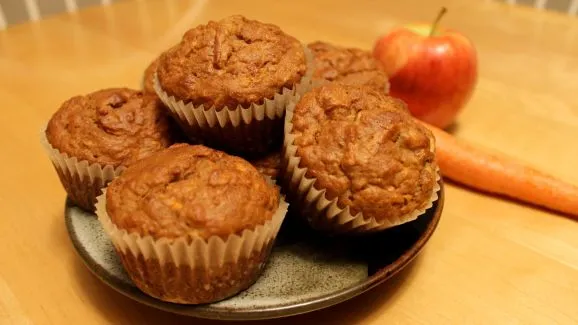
(252, 68)
(111, 127)
(365, 149)
(190, 190)
(235, 61)
(186, 194)
(269, 165)
(149, 76)
(115, 126)
(349, 66)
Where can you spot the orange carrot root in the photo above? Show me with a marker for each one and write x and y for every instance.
(499, 174)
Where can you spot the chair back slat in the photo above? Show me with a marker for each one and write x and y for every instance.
(569, 7)
(19, 11)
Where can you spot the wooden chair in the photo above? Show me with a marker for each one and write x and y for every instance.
(565, 6)
(18, 11)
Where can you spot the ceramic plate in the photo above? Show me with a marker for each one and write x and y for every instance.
(306, 271)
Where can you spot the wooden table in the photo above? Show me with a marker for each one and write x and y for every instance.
(490, 262)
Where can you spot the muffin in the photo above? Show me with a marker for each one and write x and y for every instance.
(356, 161)
(269, 165)
(230, 81)
(349, 66)
(148, 77)
(92, 138)
(192, 224)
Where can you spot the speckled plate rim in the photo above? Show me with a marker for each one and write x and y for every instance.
(206, 311)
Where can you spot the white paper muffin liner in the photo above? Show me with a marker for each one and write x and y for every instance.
(167, 268)
(82, 180)
(325, 214)
(250, 129)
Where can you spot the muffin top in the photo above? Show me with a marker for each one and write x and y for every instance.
(114, 126)
(269, 165)
(235, 61)
(190, 190)
(349, 66)
(365, 149)
(149, 75)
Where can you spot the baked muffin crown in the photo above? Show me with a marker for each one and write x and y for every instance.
(270, 165)
(349, 66)
(190, 191)
(364, 149)
(114, 126)
(235, 61)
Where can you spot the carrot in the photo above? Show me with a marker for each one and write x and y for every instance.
(499, 174)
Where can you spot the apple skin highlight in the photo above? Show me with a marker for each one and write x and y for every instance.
(435, 73)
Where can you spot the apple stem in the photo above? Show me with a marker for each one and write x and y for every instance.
(437, 20)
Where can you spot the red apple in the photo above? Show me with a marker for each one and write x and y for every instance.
(434, 70)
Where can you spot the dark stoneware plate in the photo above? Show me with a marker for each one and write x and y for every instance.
(307, 271)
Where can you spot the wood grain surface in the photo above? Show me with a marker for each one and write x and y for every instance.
(491, 261)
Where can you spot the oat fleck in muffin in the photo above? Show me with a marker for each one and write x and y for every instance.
(349, 66)
(189, 194)
(232, 63)
(112, 127)
(364, 149)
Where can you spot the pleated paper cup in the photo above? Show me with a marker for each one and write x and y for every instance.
(193, 270)
(239, 130)
(82, 180)
(325, 214)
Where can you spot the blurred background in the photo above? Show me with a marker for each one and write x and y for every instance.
(18, 11)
